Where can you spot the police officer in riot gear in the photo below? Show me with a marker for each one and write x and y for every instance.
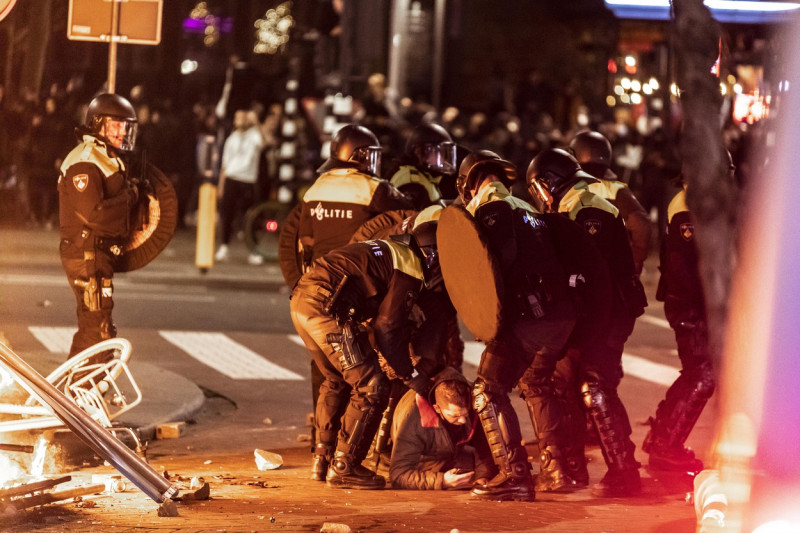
(375, 283)
(536, 319)
(593, 152)
(347, 193)
(430, 154)
(95, 202)
(680, 288)
(558, 184)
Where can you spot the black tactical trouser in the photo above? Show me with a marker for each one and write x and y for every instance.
(360, 390)
(526, 353)
(93, 325)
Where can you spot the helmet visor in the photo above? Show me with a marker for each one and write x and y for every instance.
(119, 133)
(542, 198)
(368, 159)
(439, 158)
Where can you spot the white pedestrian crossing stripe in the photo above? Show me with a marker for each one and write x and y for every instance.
(56, 340)
(633, 365)
(226, 356)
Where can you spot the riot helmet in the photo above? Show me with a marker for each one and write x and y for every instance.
(476, 166)
(112, 118)
(354, 146)
(423, 231)
(550, 174)
(593, 152)
(432, 149)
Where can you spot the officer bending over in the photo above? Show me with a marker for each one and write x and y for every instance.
(372, 282)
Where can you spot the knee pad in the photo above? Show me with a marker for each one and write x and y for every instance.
(376, 390)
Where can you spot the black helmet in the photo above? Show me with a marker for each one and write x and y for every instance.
(476, 165)
(432, 149)
(109, 109)
(550, 174)
(354, 146)
(423, 230)
(593, 152)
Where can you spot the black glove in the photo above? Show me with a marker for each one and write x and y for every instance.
(419, 383)
(133, 191)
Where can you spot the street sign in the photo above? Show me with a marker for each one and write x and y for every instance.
(92, 20)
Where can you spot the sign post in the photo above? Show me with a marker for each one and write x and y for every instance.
(115, 21)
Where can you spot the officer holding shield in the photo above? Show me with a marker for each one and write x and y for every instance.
(96, 200)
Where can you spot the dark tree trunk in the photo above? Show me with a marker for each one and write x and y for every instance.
(710, 194)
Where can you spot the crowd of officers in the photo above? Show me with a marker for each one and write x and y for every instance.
(381, 271)
(557, 268)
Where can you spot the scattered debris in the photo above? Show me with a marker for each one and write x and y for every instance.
(303, 437)
(267, 421)
(85, 504)
(16, 504)
(172, 430)
(267, 460)
(196, 483)
(113, 483)
(207, 462)
(333, 527)
(168, 508)
(16, 448)
(203, 493)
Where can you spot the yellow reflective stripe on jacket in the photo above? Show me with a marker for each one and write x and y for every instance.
(579, 197)
(405, 260)
(408, 174)
(344, 185)
(94, 152)
(495, 191)
(607, 189)
(677, 205)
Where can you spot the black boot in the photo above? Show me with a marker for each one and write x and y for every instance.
(675, 419)
(321, 461)
(613, 428)
(553, 475)
(514, 481)
(344, 473)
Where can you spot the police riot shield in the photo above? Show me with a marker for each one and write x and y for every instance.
(471, 273)
(153, 222)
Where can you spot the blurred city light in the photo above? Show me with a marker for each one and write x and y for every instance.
(188, 66)
(272, 31)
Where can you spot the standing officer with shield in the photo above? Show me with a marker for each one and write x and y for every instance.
(504, 278)
(106, 220)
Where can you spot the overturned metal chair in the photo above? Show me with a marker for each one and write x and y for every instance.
(103, 390)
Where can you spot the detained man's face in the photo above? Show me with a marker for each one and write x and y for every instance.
(452, 413)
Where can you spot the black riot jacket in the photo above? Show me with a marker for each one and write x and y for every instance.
(338, 203)
(384, 281)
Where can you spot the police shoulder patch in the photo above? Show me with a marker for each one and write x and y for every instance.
(687, 231)
(80, 181)
(592, 226)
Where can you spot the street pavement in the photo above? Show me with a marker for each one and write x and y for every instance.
(245, 499)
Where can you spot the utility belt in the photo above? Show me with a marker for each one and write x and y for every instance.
(97, 292)
(532, 299)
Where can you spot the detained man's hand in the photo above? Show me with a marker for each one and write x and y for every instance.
(455, 479)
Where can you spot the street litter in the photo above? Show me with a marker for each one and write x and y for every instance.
(171, 430)
(267, 460)
(333, 527)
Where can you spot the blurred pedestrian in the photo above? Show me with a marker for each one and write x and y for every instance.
(238, 178)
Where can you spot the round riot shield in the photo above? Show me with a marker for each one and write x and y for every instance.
(153, 222)
(471, 273)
